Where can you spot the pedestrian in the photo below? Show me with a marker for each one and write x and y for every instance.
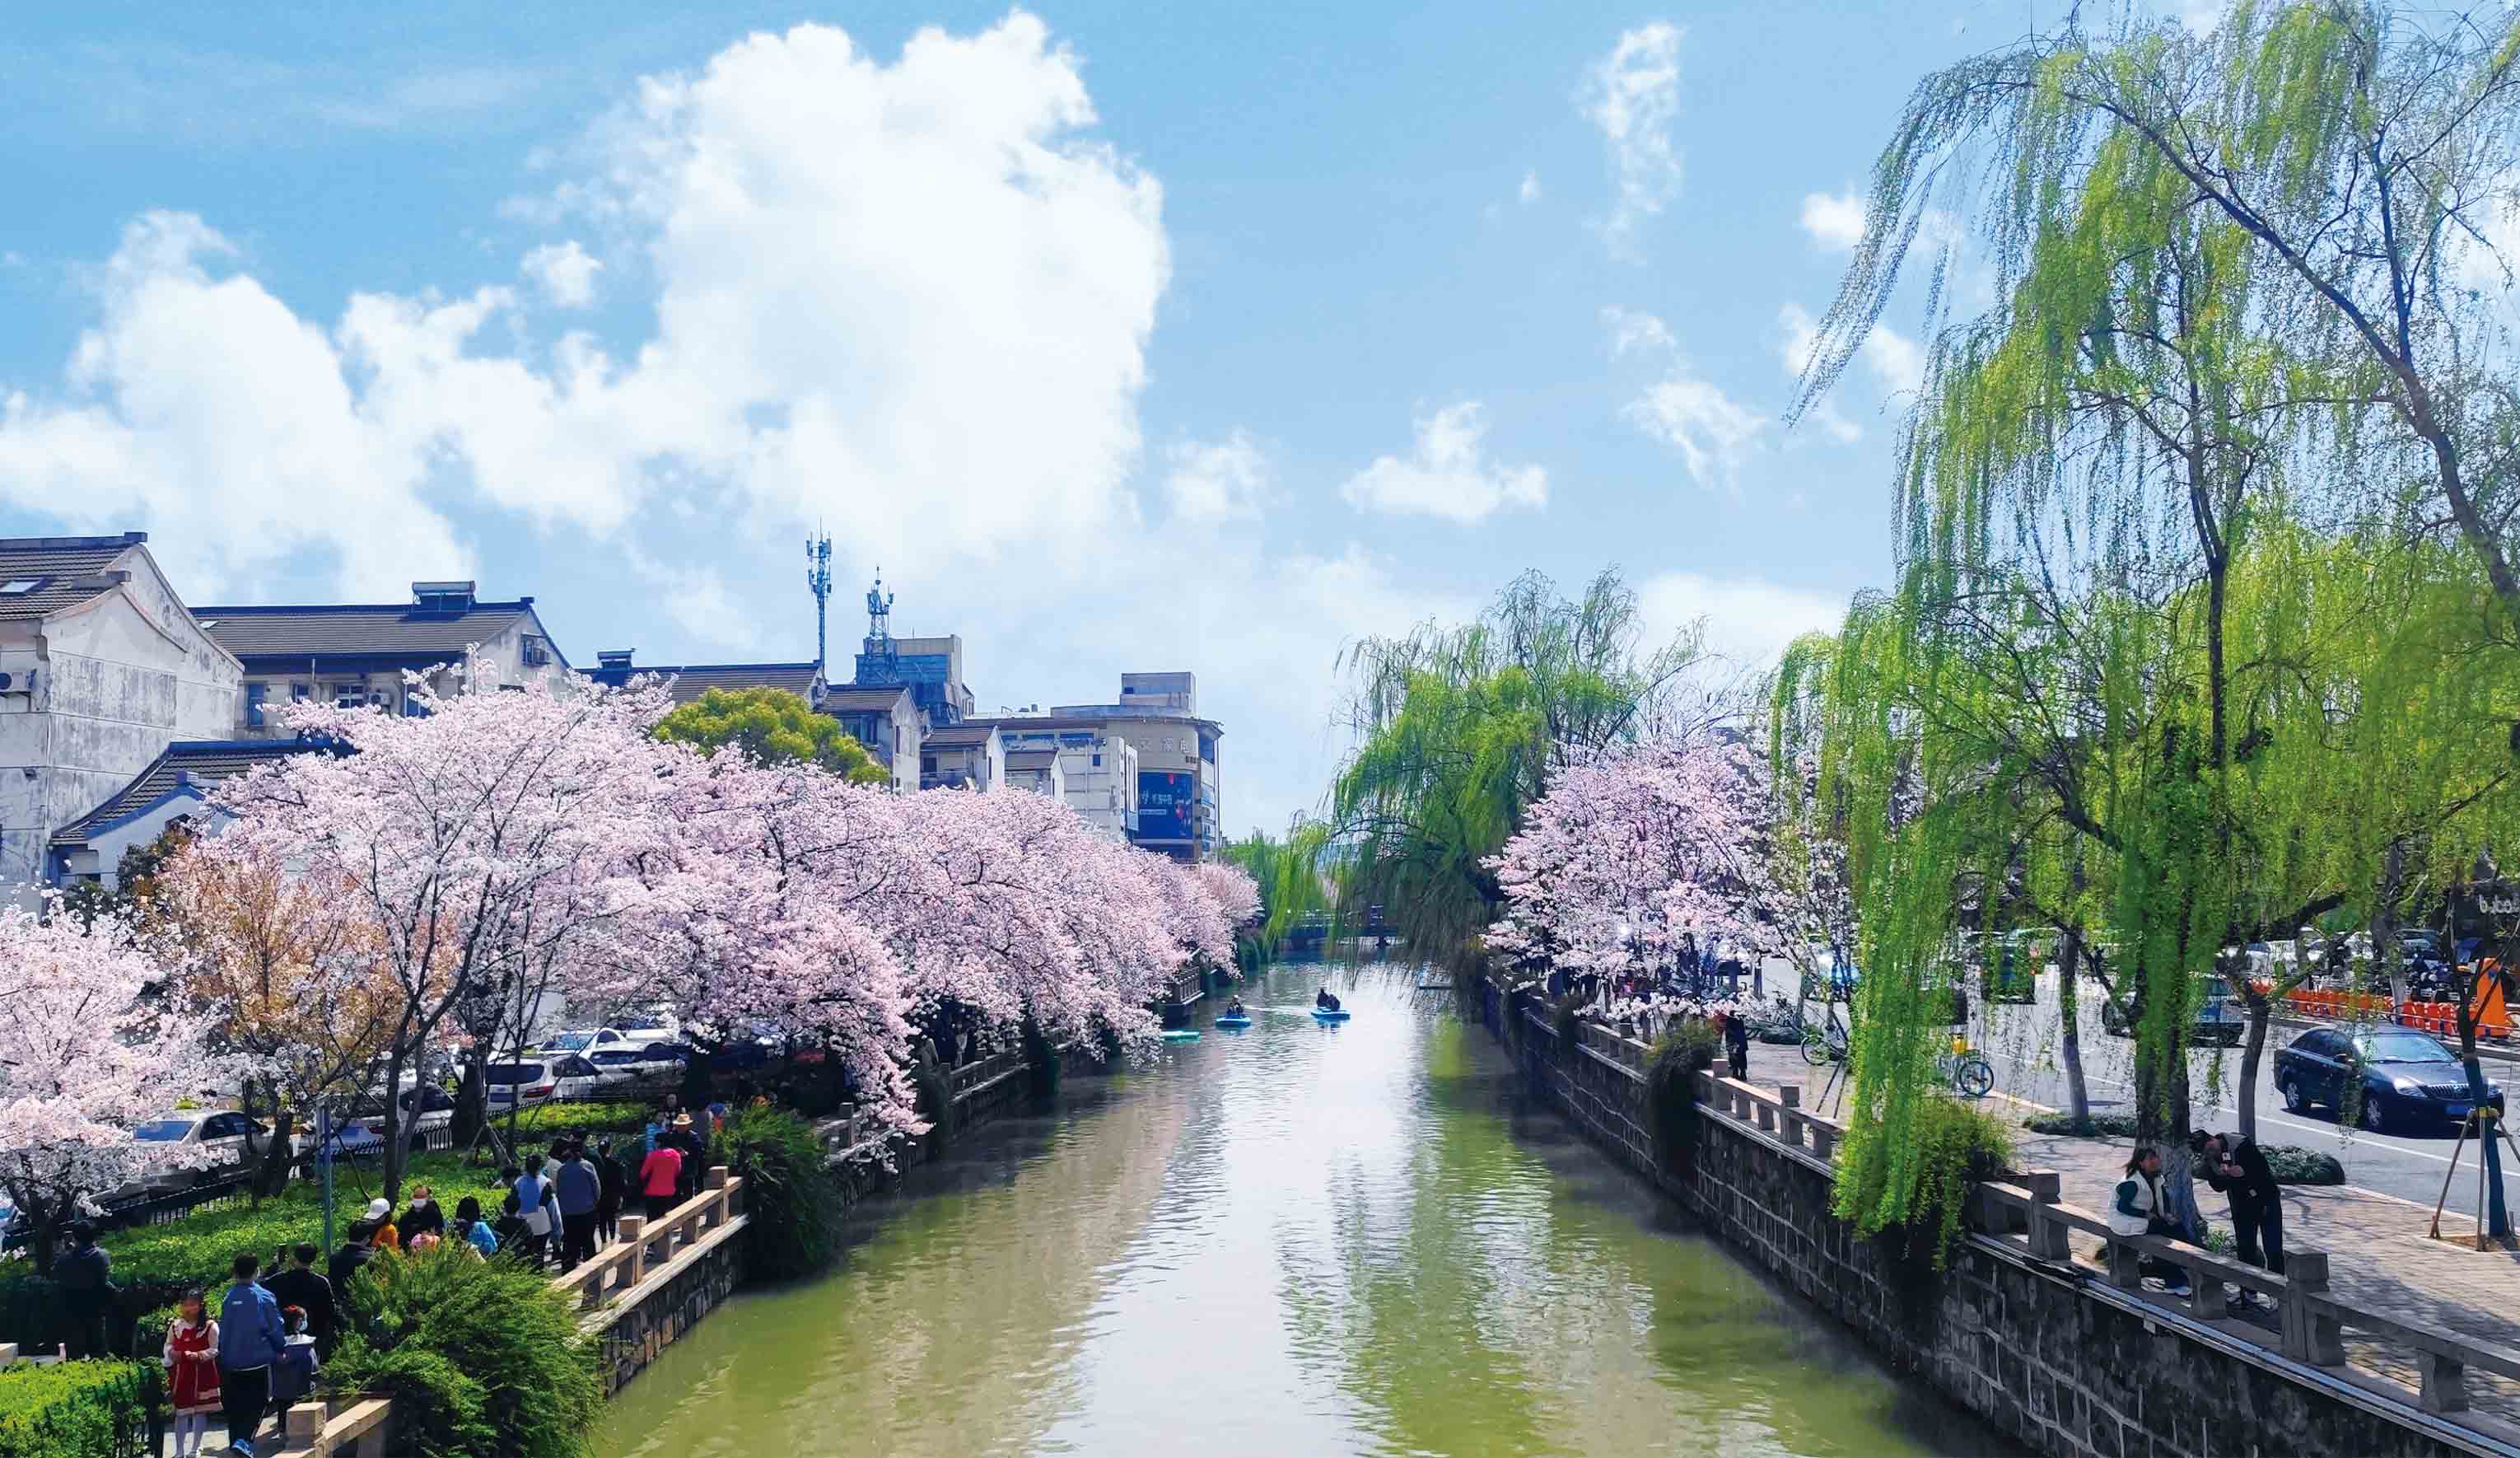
(356, 1252)
(1736, 1041)
(536, 1210)
(580, 1188)
(2236, 1167)
(2137, 1211)
(474, 1231)
(424, 1217)
(298, 1284)
(658, 1176)
(380, 1226)
(292, 1376)
(686, 1141)
(86, 1279)
(250, 1339)
(608, 1200)
(192, 1358)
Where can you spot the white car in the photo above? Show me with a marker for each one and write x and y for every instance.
(649, 1066)
(583, 1041)
(229, 1136)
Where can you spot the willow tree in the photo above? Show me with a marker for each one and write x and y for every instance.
(1459, 730)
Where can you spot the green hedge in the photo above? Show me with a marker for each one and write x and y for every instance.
(593, 1118)
(793, 1205)
(482, 1358)
(76, 1409)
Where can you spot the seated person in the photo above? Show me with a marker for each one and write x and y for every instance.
(1234, 1008)
(1325, 1001)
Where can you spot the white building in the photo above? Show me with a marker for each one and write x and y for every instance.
(963, 756)
(1036, 772)
(100, 668)
(1097, 769)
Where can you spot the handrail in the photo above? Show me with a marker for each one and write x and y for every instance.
(642, 1247)
(359, 1429)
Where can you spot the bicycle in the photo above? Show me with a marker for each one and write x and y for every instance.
(1966, 1070)
(1824, 1045)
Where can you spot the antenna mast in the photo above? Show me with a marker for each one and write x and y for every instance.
(818, 577)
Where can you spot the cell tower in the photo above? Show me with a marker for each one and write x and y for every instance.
(818, 577)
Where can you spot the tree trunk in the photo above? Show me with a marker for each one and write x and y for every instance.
(395, 1158)
(2252, 1056)
(278, 1154)
(2069, 1002)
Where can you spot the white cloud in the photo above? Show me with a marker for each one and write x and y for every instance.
(1895, 359)
(1798, 332)
(1633, 95)
(1217, 480)
(1748, 620)
(564, 272)
(1835, 220)
(1529, 192)
(1714, 434)
(1448, 474)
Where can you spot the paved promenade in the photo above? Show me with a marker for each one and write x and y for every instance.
(2379, 1254)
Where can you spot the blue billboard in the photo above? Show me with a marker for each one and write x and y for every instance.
(1167, 805)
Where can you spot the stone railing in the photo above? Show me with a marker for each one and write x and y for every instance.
(980, 1071)
(358, 1428)
(2023, 1214)
(648, 1247)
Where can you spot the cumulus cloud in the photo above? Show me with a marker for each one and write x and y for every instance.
(1217, 480)
(1529, 192)
(1448, 474)
(564, 272)
(1748, 620)
(1633, 95)
(1714, 434)
(1835, 220)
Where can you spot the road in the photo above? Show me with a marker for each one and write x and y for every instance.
(2023, 1043)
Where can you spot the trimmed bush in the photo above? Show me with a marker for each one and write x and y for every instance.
(793, 1205)
(606, 1116)
(76, 1409)
(483, 1358)
(2294, 1165)
(2101, 1127)
(1688, 1049)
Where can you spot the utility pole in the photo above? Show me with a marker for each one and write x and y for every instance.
(818, 577)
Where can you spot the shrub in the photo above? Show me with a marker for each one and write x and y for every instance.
(2101, 1127)
(935, 1103)
(791, 1204)
(606, 1116)
(1686, 1049)
(76, 1409)
(1042, 1058)
(486, 1354)
(2294, 1165)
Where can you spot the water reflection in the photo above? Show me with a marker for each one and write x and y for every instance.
(1297, 1239)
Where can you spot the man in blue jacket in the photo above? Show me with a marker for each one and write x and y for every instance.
(251, 1338)
(581, 1189)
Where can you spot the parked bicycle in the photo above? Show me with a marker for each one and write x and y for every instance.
(1966, 1070)
(1824, 1044)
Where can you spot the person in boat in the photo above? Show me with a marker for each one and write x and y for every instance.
(1325, 1001)
(1234, 1007)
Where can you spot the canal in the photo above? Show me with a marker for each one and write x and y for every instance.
(1294, 1240)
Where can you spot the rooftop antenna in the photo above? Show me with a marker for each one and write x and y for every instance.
(818, 577)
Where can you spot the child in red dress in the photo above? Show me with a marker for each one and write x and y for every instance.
(192, 1373)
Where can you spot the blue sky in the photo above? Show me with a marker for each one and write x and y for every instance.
(1124, 337)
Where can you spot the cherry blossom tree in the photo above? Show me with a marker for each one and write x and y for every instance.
(1629, 853)
(88, 1050)
(489, 839)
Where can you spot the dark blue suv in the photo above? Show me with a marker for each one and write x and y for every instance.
(2409, 1079)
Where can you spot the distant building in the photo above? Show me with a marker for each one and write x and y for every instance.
(932, 668)
(100, 668)
(1098, 770)
(1179, 786)
(356, 654)
(614, 670)
(174, 786)
(1036, 772)
(963, 756)
(888, 721)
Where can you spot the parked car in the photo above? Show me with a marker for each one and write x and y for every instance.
(593, 1040)
(224, 1132)
(522, 1085)
(437, 1111)
(2219, 1015)
(2407, 1079)
(654, 1066)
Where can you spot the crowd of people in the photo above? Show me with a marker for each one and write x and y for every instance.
(277, 1323)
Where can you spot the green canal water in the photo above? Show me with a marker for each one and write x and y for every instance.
(1294, 1240)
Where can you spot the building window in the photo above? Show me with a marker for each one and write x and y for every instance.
(254, 697)
(537, 652)
(1097, 761)
(300, 693)
(349, 696)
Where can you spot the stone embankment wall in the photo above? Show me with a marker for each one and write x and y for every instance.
(2060, 1365)
(634, 1334)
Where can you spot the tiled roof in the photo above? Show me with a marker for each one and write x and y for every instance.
(956, 736)
(369, 630)
(859, 700)
(201, 762)
(691, 680)
(64, 568)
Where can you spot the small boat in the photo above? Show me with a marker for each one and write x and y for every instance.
(1230, 1020)
(1181, 1035)
(1327, 1016)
